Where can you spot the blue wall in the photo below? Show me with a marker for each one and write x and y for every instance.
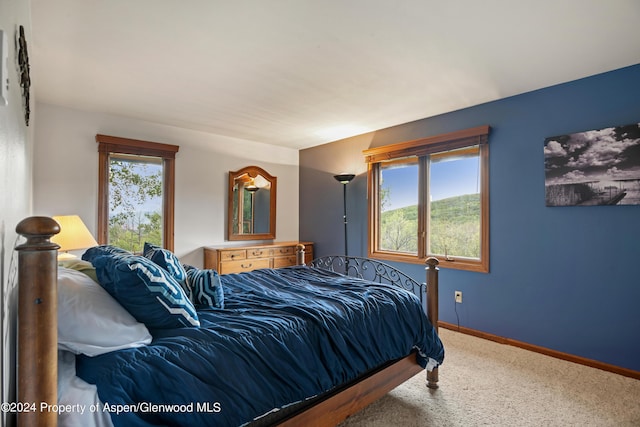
(564, 278)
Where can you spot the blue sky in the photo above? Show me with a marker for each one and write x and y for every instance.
(448, 179)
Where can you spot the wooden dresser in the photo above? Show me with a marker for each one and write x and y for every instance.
(237, 259)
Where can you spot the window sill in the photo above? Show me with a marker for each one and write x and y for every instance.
(454, 264)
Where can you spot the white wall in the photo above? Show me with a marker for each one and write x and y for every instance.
(15, 186)
(66, 174)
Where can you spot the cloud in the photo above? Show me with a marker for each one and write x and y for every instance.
(614, 172)
(621, 174)
(554, 149)
(602, 149)
(575, 176)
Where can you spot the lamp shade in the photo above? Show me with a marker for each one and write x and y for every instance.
(74, 235)
(344, 178)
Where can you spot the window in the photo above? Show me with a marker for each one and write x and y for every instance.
(135, 192)
(430, 197)
(399, 206)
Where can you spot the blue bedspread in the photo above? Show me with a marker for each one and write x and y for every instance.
(284, 336)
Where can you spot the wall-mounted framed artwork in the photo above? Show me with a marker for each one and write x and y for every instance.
(596, 167)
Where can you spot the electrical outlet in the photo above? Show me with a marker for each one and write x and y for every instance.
(458, 295)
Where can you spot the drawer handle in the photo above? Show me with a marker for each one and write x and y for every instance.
(246, 266)
(257, 253)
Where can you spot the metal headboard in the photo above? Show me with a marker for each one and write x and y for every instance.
(373, 270)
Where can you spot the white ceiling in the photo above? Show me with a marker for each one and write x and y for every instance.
(299, 73)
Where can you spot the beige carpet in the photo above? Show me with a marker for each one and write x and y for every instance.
(483, 383)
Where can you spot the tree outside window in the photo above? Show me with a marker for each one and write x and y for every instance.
(135, 193)
(399, 206)
(135, 201)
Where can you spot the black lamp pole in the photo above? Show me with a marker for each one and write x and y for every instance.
(344, 179)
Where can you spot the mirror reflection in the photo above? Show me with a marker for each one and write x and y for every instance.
(252, 201)
(251, 204)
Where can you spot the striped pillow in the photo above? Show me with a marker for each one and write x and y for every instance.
(146, 290)
(170, 262)
(206, 287)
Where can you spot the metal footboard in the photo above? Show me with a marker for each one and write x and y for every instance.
(372, 270)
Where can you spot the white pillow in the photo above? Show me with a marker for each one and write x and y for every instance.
(74, 391)
(90, 321)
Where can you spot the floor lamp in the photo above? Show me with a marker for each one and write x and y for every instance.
(344, 179)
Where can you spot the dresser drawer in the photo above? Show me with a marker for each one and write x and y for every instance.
(284, 261)
(284, 250)
(227, 267)
(233, 255)
(258, 253)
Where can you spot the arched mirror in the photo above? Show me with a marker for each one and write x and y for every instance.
(252, 204)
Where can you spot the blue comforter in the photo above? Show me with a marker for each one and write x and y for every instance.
(284, 336)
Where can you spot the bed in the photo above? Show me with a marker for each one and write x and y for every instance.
(304, 345)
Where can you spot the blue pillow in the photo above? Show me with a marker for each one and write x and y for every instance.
(167, 260)
(100, 250)
(206, 287)
(151, 295)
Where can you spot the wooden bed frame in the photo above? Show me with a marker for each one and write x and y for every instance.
(38, 338)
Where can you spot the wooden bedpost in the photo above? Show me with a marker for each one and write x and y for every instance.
(300, 254)
(432, 309)
(37, 321)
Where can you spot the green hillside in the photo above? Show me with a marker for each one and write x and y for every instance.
(454, 225)
(461, 209)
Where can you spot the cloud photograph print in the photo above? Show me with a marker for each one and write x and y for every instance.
(596, 167)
